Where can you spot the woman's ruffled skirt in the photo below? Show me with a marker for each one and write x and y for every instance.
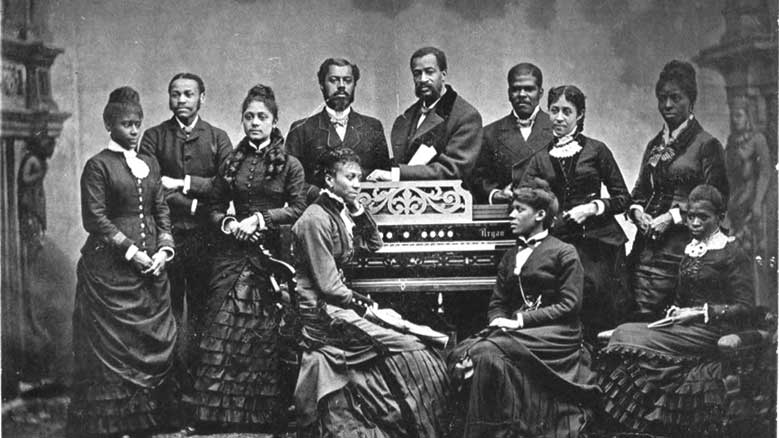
(658, 384)
(240, 378)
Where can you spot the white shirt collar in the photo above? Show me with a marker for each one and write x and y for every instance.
(189, 127)
(334, 196)
(261, 146)
(536, 237)
(532, 117)
(115, 147)
(338, 115)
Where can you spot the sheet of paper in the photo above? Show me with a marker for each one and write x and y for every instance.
(423, 155)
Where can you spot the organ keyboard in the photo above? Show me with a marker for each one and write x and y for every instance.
(435, 239)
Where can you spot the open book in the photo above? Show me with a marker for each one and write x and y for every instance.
(392, 319)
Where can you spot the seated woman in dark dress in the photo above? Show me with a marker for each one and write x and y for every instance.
(240, 379)
(123, 327)
(357, 379)
(530, 371)
(664, 379)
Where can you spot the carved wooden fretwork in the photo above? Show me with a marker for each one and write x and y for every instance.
(417, 202)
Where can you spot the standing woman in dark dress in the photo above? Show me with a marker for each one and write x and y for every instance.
(679, 158)
(123, 327)
(668, 380)
(239, 381)
(575, 166)
(528, 373)
(357, 379)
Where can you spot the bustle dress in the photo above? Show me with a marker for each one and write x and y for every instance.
(239, 382)
(533, 381)
(357, 379)
(123, 327)
(668, 379)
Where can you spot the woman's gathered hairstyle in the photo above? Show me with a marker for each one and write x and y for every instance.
(328, 161)
(572, 94)
(682, 74)
(122, 101)
(536, 193)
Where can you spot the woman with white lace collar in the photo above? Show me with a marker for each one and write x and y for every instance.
(123, 327)
(681, 156)
(665, 377)
(575, 166)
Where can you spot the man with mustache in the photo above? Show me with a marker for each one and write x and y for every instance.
(190, 152)
(439, 136)
(511, 141)
(338, 124)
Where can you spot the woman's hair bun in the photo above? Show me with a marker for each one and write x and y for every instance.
(124, 95)
(262, 91)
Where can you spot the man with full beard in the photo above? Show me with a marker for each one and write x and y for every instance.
(511, 141)
(190, 152)
(439, 136)
(338, 124)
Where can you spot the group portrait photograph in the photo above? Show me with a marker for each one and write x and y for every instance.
(389, 218)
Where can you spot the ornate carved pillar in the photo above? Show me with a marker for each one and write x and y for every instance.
(30, 118)
(747, 59)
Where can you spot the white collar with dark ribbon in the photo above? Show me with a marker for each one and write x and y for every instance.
(137, 166)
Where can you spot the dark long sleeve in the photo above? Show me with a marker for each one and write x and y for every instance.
(610, 174)
(94, 190)
(162, 215)
(713, 166)
(741, 290)
(366, 233)
(294, 193)
(500, 302)
(642, 190)
(201, 187)
(313, 239)
(571, 280)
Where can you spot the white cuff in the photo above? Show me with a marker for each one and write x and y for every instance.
(633, 208)
(193, 207)
(395, 174)
(492, 193)
(225, 222)
(520, 319)
(260, 221)
(171, 252)
(676, 215)
(187, 184)
(600, 206)
(131, 251)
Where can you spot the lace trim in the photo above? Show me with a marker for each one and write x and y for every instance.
(698, 248)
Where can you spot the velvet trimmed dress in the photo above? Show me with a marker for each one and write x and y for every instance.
(534, 381)
(357, 379)
(123, 327)
(240, 381)
(668, 379)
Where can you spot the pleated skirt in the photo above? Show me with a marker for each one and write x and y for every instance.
(396, 388)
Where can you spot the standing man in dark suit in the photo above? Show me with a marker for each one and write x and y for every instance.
(190, 152)
(338, 124)
(512, 140)
(439, 136)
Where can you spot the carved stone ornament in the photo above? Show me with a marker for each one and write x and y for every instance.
(415, 202)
